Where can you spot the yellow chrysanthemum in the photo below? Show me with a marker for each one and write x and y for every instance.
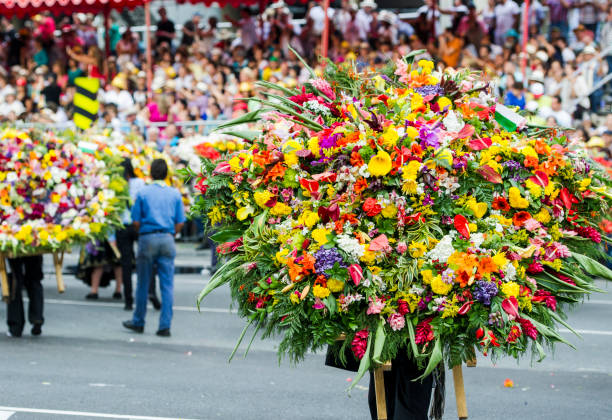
(510, 289)
(390, 137)
(308, 218)
(543, 216)
(516, 200)
(417, 249)
(262, 197)
(389, 211)
(280, 209)
(320, 291)
(320, 235)
(440, 287)
(335, 285)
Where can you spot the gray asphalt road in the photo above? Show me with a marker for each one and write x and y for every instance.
(85, 365)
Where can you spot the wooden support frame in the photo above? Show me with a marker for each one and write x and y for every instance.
(58, 261)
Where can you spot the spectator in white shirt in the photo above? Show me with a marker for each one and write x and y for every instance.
(365, 16)
(506, 13)
(11, 108)
(563, 118)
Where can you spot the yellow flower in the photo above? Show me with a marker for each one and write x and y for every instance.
(62, 236)
(500, 260)
(529, 151)
(389, 211)
(320, 235)
(584, 184)
(543, 216)
(308, 218)
(320, 291)
(444, 102)
(369, 256)
(426, 65)
(533, 188)
(294, 298)
(416, 102)
(516, 200)
(479, 209)
(412, 132)
(390, 137)
(440, 287)
(215, 215)
(510, 289)
(335, 285)
(473, 227)
(95, 227)
(244, 212)
(280, 255)
(280, 209)
(262, 197)
(43, 235)
(235, 164)
(380, 164)
(417, 249)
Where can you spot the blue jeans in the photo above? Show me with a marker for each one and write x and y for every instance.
(159, 249)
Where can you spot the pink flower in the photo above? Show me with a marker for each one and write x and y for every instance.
(402, 70)
(356, 273)
(397, 322)
(557, 250)
(466, 85)
(510, 306)
(401, 247)
(323, 86)
(376, 305)
(531, 224)
(424, 333)
(359, 345)
(380, 243)
(528, 328)
(535, 267)
(318, 304)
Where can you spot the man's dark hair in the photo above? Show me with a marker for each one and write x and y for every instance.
(159, 170)
(128, 169)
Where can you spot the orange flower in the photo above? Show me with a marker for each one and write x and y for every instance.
(262, 159)
(531, 162)
(276, 172)
(308, 262)
(321, 281)
(462, 278)
(521, 217)
(338, 228)
(360, 185)
(540, 147)
(486, 265)
(348, 139)
(356, 160)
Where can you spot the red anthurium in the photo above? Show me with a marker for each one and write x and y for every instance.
(510, 306)
(540, 178)
(480, 143)
(356, 273)
(326, 213)
(465, 307)
(479, 333)
(567, 198)
(489, 174)
(201, 186)
(461, 224)
(223, 167)
(309, 185)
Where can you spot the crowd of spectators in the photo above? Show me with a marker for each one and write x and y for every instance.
(199, 70)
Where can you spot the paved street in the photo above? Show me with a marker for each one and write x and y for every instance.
(85, 365)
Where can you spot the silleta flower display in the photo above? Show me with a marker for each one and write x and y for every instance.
(53, 195)
(403, 211)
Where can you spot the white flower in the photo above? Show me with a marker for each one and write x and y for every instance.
(477, 239)
(453, 123)
(443, 249)
(351, 246)
(510, 272)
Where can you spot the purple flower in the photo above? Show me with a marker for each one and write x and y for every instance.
(512, 165)
(326, 258)
(429, 137)
(427, 201)
(485, 291)
(429, 90)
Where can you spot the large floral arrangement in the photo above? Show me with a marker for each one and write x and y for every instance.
(404, 211)
(53, 195)
(193, 148)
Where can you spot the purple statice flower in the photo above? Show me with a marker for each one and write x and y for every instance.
(485, 291)
(326, 258)
(427, 201)
(429, 90)
(329, 141)
(512, 165)
(385, 78)
(92, 248)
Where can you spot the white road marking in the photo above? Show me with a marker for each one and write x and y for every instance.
(599, 302)
(101, 385)
(5, 415)
(120, 305)
(85, 414)
(586, 332)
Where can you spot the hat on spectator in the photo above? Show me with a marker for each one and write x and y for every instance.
(37, 18)
(21, 81)
(368, 3)
(216, 51)
(386, 16)
(512, 33)
(141, 74)
(170, 85)
(589, 49)
(133, 110)
(81, 17)
(542, 56)
(531, 49)
(158, 84)
(201, 86)
(120, 81)
(579, 28)
(537, 89)
(537, 76)
(67, 28)
(9, 90)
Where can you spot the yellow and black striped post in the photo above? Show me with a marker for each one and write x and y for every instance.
(86, 104)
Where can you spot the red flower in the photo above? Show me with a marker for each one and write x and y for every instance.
(590, 233)
(535, 268)
(510, 306)
(548, 299)
(202, 186)
(465, 308)
(424, 333)
(515, 334)
(479, 333)
(371, 207)
(402, 307)
(309, 185)
(461, 224)
(528, 328)
(359, 344)
(500, 203)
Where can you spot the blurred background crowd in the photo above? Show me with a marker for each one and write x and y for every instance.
(200, 69)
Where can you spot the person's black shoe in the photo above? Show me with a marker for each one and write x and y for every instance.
(163, 333)
(128, 306)
(13, 334)
(91, 296)
(155, 302)
(117, 296)
(130, 326)
(37, 329)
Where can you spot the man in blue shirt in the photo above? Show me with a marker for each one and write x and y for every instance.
(157, 215)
